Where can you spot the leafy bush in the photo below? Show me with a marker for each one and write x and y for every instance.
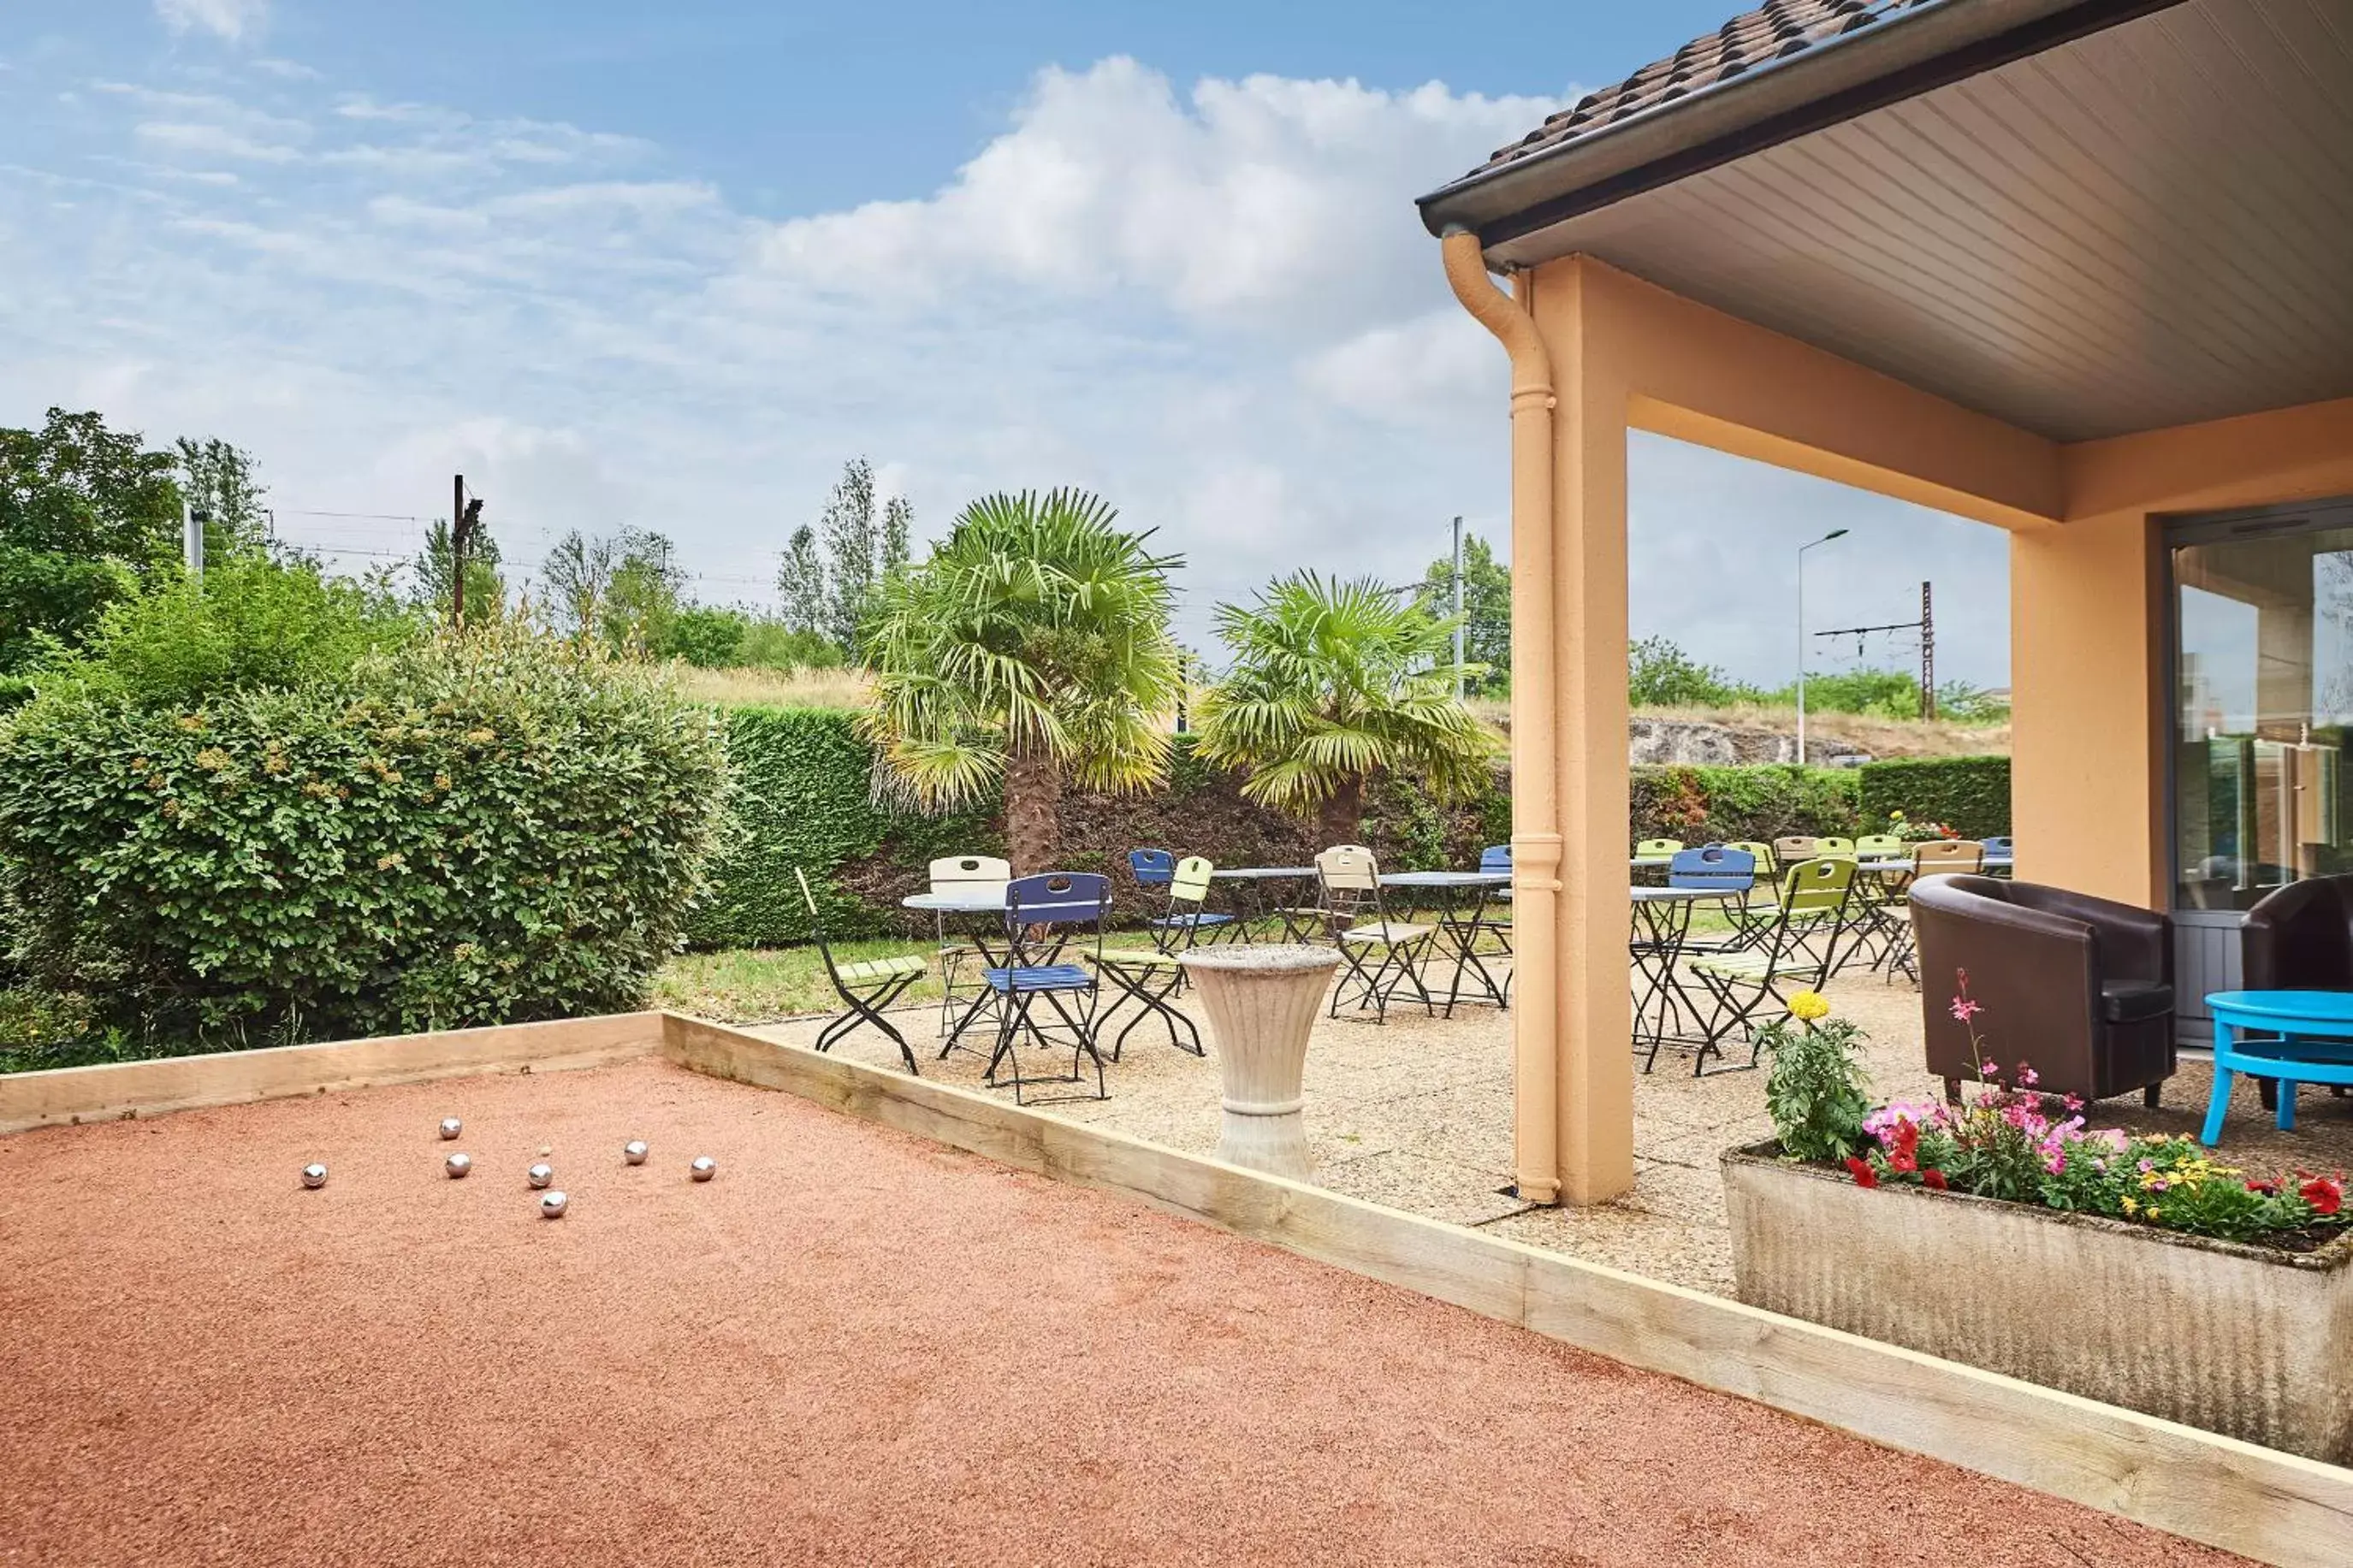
(1761, 803)
(706, 634)
(772, 645)
(1970, 794)
(1659, 674)
(468, 831)
(249, 622)
(1814, 1089)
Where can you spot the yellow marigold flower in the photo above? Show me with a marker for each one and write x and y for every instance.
(1808, 1006)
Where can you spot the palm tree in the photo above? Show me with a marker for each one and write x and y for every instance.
(1331, 684)
(1031, 647)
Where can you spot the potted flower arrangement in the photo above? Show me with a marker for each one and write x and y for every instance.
(1923, 832)
(2007, 1232)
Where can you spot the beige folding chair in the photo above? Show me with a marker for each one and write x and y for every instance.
(984, 875)
(1379, 954)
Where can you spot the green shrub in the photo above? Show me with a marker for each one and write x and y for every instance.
(707, 636)
(246, 622)
(468, 831)
(770, 644)
(1970, 794)
(1762, 802)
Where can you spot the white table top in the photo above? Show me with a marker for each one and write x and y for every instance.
(1662, 895)
(1259, 873)
(1446, 878)
(973, 903)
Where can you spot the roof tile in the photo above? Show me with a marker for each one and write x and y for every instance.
(1773, 32)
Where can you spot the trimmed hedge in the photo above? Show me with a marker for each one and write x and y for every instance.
(804, 798)
(1971, 794)
(471, 832)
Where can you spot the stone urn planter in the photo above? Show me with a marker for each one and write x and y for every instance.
(2250, 1341)
(1263, 1003)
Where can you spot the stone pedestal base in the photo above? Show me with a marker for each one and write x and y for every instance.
(1263, 1003)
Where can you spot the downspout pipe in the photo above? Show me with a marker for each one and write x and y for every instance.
(1536, 780)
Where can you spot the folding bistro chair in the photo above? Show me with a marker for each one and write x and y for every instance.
(1152, 867)
(1764, 887)
(1034, 906)
(1378, 954)
(1188, 921)
(1877, 846)
(1933, 858)
(978, 874)
(2000, 844)
(1717, 869)
(868, 985)
(1657, 850)
(1793, 953)
(1833, 844)
(1790, 849)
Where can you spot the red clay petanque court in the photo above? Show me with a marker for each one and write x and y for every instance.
(851, 1347)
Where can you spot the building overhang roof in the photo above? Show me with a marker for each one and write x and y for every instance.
(2085, 217)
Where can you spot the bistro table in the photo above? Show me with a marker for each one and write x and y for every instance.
(984, 911)
(2315, 1045)
(1249, 902)
(1460, 900)
(1661, 918)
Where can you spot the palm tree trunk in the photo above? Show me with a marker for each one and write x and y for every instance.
(1033, 822)
(1341, 818)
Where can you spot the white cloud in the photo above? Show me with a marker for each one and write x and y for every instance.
(231, 19)
(1214, 305)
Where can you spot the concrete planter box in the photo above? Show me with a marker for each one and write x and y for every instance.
(2234, 1338)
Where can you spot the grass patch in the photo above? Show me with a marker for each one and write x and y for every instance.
(753, 687)
(759, 986)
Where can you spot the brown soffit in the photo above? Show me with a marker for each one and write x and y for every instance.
(1766, 77)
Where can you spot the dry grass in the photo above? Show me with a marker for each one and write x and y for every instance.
(756, 688)
(1880, 737)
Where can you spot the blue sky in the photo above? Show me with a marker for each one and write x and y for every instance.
(668, 265)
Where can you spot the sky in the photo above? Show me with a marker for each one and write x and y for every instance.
(669, 267)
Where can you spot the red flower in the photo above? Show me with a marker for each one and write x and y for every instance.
(1933, 1179)
(1864, 1176)
(2268, 1187)
(1906, 1155)
(2325, 1194)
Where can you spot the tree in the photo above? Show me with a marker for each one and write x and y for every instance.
(1332, 685)
(898, 522)
(1031, 647)
(435, 579)
(800, 583)
(641, 602)
(1659, 674)
(579, 573)
(1486, 607)
(217, 479)
(851, 543)
(707, 636)
(86, 513)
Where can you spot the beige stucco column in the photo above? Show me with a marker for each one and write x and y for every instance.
(1593, 1007)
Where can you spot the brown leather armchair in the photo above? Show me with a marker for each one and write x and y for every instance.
(2079, 987)
(2300, 938)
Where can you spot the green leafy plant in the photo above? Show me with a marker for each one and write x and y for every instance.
(1970, 794)
(1814, 1089)
(1032, 647)
(1334, 684)
(470, 830)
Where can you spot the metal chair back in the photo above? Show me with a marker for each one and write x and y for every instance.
(1716, 869)
(1035, 905)
(1818, 887)
(1942, 857)
(1189, 881)
(1792, 847)
(1661, 849)
(1880, 846)
(1352, 883)
(970, 873)
(1152, 867)
(1833, 844)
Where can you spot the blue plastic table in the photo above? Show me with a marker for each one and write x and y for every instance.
(2315, 1045)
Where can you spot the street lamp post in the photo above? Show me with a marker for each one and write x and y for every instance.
(1825, 539)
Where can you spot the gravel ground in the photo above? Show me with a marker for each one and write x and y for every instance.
(853, 1347)
(1416, 1114)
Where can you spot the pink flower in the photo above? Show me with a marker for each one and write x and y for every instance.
(1965, 1007)
(2027, 1075)
(2055, 1160)
(2072, 1102)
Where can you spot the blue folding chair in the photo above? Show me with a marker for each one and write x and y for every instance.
(2000, 846)
(1152, 867)
(1035, 968)
(1716, 869)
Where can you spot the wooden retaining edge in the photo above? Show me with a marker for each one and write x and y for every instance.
(2276, 1507)
(115, 1090)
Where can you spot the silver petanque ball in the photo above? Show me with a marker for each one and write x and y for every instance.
(702, 1168)
(451, 1127)
(540, 1176)
(457, 1165)
(634, 1151)
(551, 1205)
(314, 1176)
